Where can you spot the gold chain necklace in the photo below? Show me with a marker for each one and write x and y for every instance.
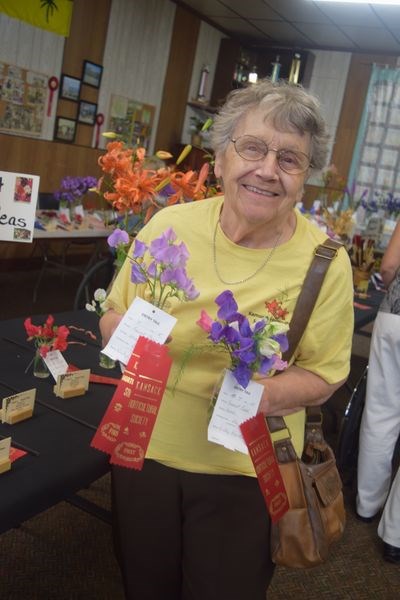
(265, 262)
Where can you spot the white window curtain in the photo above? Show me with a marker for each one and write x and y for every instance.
(374, 178)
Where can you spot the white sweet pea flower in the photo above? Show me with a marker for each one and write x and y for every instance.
(90, 307)
(100, 295)
(268, 347)
(277, 327)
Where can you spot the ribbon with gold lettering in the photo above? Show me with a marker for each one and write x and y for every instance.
(128, 423)
(259, 444)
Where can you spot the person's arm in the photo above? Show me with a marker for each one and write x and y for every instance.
(108, 323)
(391, 259)
(294, 389)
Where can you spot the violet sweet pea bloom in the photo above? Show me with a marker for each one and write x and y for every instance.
(137, 275)
(139, 249)
(117, 237)
(228, 306)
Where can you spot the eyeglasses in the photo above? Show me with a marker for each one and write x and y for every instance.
(290, 161)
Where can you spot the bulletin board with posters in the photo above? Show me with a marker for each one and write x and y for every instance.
(132, 120)
(23, 96)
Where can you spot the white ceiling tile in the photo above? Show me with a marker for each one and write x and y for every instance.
(239, 26)
(283, 33)
(210, 8)
(390, 15)
(351, 14)
(307, 24)
(378, 39)
(326, 36)
(252, 9)
(299, 10)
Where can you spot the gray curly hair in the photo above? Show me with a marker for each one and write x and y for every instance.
(287, 105)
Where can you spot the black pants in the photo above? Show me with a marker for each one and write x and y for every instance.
(188, 536)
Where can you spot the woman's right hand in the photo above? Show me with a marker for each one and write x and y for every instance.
(108, 324)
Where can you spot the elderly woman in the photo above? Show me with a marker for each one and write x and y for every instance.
(193, 524)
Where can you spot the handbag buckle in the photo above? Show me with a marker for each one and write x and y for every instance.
(327, 252)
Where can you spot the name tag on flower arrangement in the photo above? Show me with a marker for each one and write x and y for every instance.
(56, 363)
(18, 407)
(141, 319)
(234, 404)
(161, 265)
(128, 423)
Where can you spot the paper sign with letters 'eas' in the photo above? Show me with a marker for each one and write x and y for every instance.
(18, 198)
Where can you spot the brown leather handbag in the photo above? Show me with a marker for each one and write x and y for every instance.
(316, 517)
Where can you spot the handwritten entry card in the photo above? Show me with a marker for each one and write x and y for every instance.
(234, 405)
(141, 319)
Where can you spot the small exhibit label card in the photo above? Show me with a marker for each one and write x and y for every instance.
(18, 407)
(74, 383)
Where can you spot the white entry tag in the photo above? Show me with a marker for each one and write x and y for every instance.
(141, 319)
(56, 363)
(234, 405)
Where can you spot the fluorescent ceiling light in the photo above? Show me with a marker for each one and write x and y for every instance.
(392, 2)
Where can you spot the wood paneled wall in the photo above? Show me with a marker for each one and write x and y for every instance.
(47, 159)
(86, 42)
(177, 80)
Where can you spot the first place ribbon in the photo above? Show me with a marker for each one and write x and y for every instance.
(53, 86)
(128, 423)
(259, 444)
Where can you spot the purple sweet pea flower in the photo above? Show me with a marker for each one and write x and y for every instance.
(282, 340)
(152, 269)
(159, 245)
(139, 249)
(228, 306)
(176, 277)
(137, 274)
(242, 374)
(266, 364)
(117, 237)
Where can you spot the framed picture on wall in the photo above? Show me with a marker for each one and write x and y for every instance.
(87, 112)
(65, 129)
(70, 88)
(91, 74)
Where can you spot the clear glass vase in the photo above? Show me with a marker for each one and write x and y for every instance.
(105, 362)
(39, 366)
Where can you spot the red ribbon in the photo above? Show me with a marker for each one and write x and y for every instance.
(53, 86)
(128, 423)
(259, 444)
(99, 123)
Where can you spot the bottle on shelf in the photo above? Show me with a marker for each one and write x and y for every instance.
(276, 67)
(295, 69)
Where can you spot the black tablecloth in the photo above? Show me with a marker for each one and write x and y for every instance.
(363, 316)
(60, 431)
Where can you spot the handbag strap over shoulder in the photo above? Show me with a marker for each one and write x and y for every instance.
(323, 255)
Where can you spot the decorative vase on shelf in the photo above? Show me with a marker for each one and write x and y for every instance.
(39, 366)
(106, 362)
